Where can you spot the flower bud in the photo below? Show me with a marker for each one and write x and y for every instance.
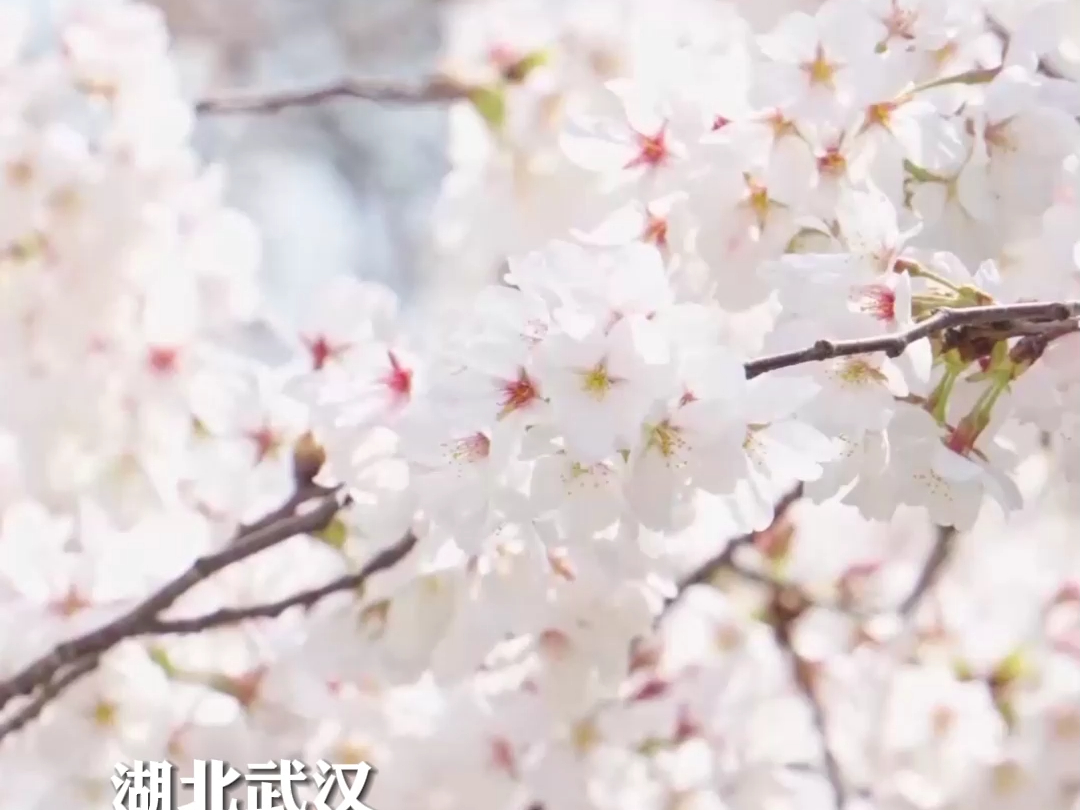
(308, 459)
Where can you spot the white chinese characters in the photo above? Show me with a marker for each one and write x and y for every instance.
(269, 786)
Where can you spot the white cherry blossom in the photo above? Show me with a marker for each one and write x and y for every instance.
(736, 485)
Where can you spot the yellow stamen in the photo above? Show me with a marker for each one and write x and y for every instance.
(596, 381)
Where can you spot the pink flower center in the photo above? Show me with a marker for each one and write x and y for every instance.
(472, 448)
(399, 379)
(502, 757)
(163, 360)
(876, 300)
(321, 351)
(656, 231)
(518, 393)
(899, 22)
(832, 162)
(653, 150)
(266, 442)
(72, 602)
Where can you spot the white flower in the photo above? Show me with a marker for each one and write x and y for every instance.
(645, 141)
(578, 567)
(692, 443)
(815, 58)
(927, 472)
(938, 734)
(602, 384)
(456, 470)
(776, 446)
(585, 497)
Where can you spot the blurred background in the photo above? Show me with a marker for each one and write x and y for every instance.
(352, 186)
(360, 187)
(346, 186)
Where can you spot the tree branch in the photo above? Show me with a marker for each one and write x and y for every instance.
(387, 558)
(432, 91)
(303, 494)
(725, 559)
(95, 642)
(931, 570)
(47, 694)
(788, 605)
(76, 657)
(1045, 66)
(1006, 318)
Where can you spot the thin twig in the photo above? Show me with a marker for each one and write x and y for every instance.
(724, 560)
(804, 682)
(931, 570)
(787, 605)
(432, 91)
(1044, 67)
(48, 693)
(96, 642)
(287, 509)
(774, 582)
(785, 615)
(1005, 316)
(387, 558)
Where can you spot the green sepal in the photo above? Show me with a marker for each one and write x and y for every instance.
(490, 103)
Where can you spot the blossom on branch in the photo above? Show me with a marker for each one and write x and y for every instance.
(703, 500)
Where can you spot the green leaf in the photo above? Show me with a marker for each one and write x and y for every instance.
(199, 428)
(1007, 709)
(922, 175)
(161, 658)
(963, 670)
(651, 746)
(520, 70)
(490, 102)
(335, 534)
(1011, 668)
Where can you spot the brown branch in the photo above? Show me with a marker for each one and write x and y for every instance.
(387, 558)
(1044, 67)
(287, 509)
(1006, 318)
(787, 605)
(47, 694)
(94, 643)
(80, 655)
(52, 688)
(725, 559)
(931, 570)
(432, 91)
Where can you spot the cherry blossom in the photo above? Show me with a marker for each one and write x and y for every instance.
(739, 470)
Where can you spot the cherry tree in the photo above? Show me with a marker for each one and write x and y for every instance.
(551, 543)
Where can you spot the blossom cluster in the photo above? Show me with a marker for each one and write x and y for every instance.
(629, 573)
